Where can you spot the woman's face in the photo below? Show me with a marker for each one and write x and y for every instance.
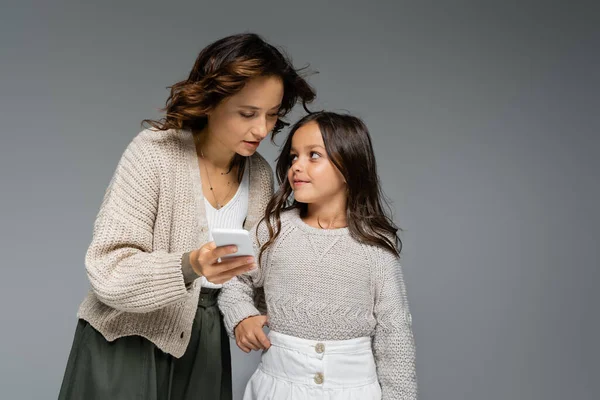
(240, 122)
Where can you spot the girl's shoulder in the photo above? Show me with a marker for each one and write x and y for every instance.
(285, 218)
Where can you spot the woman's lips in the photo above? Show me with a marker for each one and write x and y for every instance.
(251, 144)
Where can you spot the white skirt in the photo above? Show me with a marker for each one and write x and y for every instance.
(299, 369)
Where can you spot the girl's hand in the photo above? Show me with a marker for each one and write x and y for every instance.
(249, 334)
(205, 263)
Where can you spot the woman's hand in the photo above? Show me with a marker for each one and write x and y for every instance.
(205, 263)
(249, 334)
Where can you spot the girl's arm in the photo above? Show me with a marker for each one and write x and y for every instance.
(393, 343)
(124, 272)
(237, 299)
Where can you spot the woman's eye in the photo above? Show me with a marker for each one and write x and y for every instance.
(247, 115)
(276, 115)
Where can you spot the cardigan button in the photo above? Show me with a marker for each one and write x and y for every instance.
(181, 336)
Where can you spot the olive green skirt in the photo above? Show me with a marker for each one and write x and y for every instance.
(132, 367)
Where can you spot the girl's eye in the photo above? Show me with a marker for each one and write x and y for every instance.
(293, 157)
(313, 154)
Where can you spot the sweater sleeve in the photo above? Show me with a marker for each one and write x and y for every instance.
(124, 271)
(237, 299)
(393, 342)
(260, 300)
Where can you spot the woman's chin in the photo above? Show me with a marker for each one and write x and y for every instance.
(245, 152)
(246, 149)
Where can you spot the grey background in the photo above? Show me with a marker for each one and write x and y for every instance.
(485, 120)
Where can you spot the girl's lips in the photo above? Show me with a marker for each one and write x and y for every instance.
(300, 183)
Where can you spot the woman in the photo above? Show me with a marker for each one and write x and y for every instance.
(150, 327)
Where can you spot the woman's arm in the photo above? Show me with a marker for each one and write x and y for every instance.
(124, 271)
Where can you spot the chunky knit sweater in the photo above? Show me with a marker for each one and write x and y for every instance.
(325, 285)
(152, 214)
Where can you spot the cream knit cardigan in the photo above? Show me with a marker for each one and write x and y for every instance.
(152, 214)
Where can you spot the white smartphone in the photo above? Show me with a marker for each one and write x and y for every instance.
(238, 237)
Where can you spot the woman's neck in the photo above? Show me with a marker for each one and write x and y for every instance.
(212, 151)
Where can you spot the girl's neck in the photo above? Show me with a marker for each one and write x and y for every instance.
(212, 151)
(331, 215)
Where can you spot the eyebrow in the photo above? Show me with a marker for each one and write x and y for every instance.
(258, 108)
(309, 147)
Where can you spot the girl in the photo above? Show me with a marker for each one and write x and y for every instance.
(149, 328)
(329, 265)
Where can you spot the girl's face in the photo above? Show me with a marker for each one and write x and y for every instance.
(312, 175)
(240, 122)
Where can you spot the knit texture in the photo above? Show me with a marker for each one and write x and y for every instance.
(230, 216)
(152, 213)
(325, 285)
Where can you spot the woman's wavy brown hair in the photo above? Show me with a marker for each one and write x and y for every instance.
(221, 70)
(349, 147)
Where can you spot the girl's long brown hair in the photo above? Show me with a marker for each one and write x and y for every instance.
(349, 147)
(221, 70)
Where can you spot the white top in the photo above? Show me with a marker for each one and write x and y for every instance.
(231, 216)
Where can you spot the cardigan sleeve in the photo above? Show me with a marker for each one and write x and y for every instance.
(124, 271)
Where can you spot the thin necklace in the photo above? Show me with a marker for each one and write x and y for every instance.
(219, 206)
(330, 223)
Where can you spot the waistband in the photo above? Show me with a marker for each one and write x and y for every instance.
(317, 348)
(208, 297)
(336, 364)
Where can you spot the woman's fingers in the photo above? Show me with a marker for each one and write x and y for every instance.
(220, 252)
(221, 272)
(233, 262)
(229, 274)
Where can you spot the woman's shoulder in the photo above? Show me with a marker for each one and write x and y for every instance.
(258, 162)
(156, 151)
(159, 140)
